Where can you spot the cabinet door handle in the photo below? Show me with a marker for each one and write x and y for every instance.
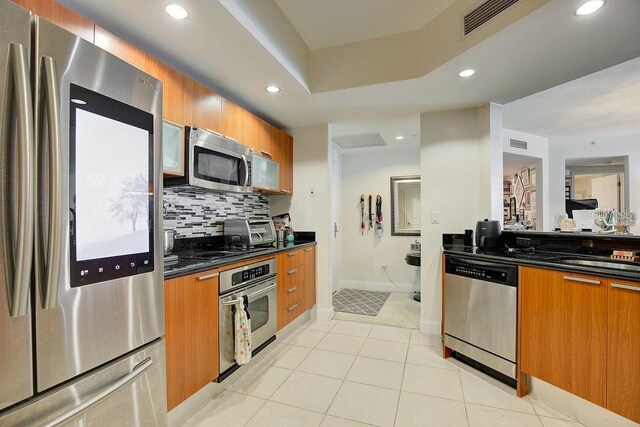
(308, 249)
(208, 276)
(292, 253)
(290, 290)
(266, 153)
(293, 307)
(582, 280)
(627, 287)
(292, 271)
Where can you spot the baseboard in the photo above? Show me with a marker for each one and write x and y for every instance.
(194, 404)
(323, 314)
(581, 410)
(430, 328)
(376, 286)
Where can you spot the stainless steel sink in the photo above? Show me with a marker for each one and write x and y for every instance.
(602, 264)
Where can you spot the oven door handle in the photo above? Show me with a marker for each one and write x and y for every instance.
(255, 294)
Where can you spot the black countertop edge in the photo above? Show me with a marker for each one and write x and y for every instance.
(216, 263)
(571, 235)
(601, 272)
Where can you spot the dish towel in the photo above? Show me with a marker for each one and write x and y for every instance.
(242, 326)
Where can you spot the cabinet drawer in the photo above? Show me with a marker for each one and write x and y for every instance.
(292, 259)
(291, 287)
(290, 313)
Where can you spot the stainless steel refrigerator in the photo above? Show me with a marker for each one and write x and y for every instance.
(81, 271)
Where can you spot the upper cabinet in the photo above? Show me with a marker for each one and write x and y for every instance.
(207, 107)
(61, 16)
(285, 156)
(234, 118)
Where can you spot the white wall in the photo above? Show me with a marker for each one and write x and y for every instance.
(368, 171)
(456, 156)
(581, 147)
(537, 147)
(311, 168)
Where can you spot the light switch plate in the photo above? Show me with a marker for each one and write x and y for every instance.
(435, 217)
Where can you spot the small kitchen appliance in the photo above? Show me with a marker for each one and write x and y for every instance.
(249, 233)
(488, 234)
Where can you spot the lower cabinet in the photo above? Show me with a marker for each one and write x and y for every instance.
(581, 333)
(191, 333)
(623, 361)
(310, 276)
(296, 283)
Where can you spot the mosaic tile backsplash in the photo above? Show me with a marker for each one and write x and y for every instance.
(196, 213)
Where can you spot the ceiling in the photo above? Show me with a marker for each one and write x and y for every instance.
(607, 101)
(514, 163)
(548, 47)
(334, 22)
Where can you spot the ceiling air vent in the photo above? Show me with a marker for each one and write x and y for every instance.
(484, 13)
(359, 141)
(516, 143)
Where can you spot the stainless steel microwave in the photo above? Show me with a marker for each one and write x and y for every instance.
(215, 162)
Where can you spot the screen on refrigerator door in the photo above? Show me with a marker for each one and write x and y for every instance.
(111, 188)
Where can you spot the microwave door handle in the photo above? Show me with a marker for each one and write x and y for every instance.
(246, 171)
(19, 96)
(54, 192)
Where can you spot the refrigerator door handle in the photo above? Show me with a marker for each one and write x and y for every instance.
(138, 370)
(52, 251)
(20, 97)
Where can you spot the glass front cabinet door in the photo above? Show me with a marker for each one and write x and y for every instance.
(173, 149)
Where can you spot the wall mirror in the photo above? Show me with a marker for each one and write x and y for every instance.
(405, 205)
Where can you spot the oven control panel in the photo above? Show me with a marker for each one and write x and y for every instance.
(246, 275)
(250, 274)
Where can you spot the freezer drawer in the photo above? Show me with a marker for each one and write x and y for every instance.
(127, 392)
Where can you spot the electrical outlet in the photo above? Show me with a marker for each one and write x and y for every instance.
(435, 217)
(312, 191)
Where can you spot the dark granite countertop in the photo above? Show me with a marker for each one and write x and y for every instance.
(185, 267)
(544, 259)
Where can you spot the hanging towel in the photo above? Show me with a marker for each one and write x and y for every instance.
(242, 326)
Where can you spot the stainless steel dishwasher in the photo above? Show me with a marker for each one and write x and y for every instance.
(480, 312)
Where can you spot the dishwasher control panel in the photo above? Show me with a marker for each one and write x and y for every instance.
(496, 273)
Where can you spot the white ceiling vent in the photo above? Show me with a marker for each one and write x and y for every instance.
(484, 13)
(359, 141)
(516, 143)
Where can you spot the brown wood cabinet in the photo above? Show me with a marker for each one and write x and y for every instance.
(564, 331)
(296, 283)
(623, 357)
(233, 120)
(310, 276)
(206, 106)
(285, 158)
(191, 333)
(58, 14)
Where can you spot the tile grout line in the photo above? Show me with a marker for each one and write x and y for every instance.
(464, 398)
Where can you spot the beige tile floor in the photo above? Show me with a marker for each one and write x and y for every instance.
(343, 373)
(399, 310)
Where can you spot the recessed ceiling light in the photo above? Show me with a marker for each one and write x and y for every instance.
(399, 137)
(176, 11)
(589, 7)
(272, 89)
(467, 73)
